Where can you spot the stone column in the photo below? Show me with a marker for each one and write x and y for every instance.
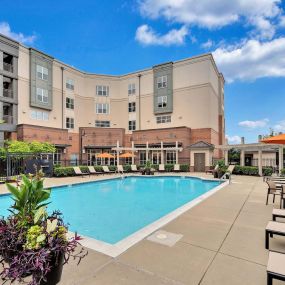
(133, 157)
(260, 162)
(118, 153)
(226, 154)
(176, 145)
(146, 152)
(242, 157)
(280, 159)
(162, 153)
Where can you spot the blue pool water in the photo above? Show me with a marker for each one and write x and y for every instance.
(111, 210)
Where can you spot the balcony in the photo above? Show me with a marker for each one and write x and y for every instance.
(8, 67)
(8, 93)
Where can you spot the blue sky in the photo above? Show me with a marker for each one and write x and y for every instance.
(247, 39)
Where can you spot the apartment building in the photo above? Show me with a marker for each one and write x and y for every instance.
(171, 112)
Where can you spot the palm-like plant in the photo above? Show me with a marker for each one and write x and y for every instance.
(30, 199)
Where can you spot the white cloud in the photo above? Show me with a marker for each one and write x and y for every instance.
(208, 44)
(282, 21)
(233, 139)
(254, 124)
(215, 13)
(280, 126)
(147, 36)
(5, 29)
(252, 59)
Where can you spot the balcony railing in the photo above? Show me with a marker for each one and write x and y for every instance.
(8, 93)
(7, 119)
(7, 67)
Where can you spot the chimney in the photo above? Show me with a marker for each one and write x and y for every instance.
(242, 140)
(259, 138)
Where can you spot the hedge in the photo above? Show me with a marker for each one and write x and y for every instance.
(283, 172)
(68, 171)
(252, 170)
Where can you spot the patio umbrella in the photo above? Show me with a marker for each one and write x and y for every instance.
(127, 155)
(280, 139)
(105, 155)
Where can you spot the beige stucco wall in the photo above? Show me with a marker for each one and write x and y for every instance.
(208, 157)
(196, 96)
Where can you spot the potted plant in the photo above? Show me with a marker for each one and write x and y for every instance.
(147, 170)
(32, 242)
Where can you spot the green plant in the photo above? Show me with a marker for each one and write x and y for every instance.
(127, 168)
(283, 171)
(184, 168)
(30, 198)
(252, 170)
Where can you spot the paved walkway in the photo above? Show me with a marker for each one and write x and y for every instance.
(222, 243)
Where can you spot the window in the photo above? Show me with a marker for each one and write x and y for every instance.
(132, 107)
(170, 157)
(102, 108)
(42, 95)
(163, 119)
(42, 72)
(69, 84)
(57, 156)
(132, 89)
(69, 123)
(161, 101)
(69, 102)
(39, 115)
(102, 124)
(132, 125)
(102, 90)
(162, 81)
(142, 157)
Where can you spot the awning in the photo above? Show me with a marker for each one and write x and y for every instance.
(99, 146)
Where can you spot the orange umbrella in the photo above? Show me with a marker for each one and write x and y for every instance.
(127, 155)
(280, 139)
(105, 155)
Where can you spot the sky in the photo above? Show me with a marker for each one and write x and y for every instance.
(246, 38)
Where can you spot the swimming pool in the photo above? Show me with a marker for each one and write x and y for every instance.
(111, 210)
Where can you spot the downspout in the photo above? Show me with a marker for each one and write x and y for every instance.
(62, 98)
(139, 76)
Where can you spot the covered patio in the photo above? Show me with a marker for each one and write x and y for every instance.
(259, 147)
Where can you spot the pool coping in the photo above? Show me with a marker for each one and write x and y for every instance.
(114, 250)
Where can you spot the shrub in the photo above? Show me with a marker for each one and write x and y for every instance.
(127, 168)
(283, 172)
(252, 170)
(68, 171)
(169, 167)
(184, 167)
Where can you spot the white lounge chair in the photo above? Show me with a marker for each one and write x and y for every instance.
(134, 168)
(176, 168)
(120, 169)
(161, 168)
(106, 169)
(92, 170)
(275, 267)
(78, 171)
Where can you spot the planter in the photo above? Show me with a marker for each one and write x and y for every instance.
(54, 276)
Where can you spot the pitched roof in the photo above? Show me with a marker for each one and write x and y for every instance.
(201, 144)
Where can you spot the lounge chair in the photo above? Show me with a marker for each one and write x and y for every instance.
(275, 267)
(78, 171)
(120, 169)
(278, 213)
(176, 168)
(211, 171)
(106, 169)
(229, 172)
(273, 228)
(134, 168)
(274, 190)
(161, 168)
(92, 170)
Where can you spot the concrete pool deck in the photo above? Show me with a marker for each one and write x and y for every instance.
(222, 243)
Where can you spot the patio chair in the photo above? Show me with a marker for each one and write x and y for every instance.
(176, 168)
(278, 213)
(106, 169)
(274, 190)
(275, 267)
(229, 172)
(92, 170)
(161, 168)
(273, 228)
(78, 171)
(120, 169)
(134, 168)
(211, 171)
